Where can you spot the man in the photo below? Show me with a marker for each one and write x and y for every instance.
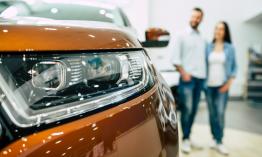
(189, 59)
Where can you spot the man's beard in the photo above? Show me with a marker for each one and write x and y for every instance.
(194, 26)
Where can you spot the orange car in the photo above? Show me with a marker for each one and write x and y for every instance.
(85, 90)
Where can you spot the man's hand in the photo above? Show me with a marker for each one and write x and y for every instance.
(186, 77)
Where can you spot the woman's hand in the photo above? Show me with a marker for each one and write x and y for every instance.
(225, 88)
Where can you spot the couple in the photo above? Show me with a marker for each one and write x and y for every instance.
(211, 67)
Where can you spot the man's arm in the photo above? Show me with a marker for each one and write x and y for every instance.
(176, 60)
(185, 76)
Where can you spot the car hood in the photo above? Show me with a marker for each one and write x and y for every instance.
(34, 34)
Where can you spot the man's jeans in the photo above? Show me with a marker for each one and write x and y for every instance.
(190, 93)
(217, 103)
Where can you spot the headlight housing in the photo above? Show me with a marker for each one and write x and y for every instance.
(45, 88)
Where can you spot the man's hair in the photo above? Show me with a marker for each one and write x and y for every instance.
(199, 10)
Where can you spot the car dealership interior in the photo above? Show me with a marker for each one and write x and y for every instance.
(131, 78)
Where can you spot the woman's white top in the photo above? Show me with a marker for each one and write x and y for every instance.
(216, 70)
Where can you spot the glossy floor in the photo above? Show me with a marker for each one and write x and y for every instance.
(239, 143)
(240, 115)
(243, 135)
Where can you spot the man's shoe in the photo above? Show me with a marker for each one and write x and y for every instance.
(213, 144)
(186, 146)
(196, 145)
(222, 149)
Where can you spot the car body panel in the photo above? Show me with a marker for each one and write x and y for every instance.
(130, 129)
(53, 37)
(140, 127)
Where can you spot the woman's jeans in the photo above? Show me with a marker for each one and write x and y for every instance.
(189, 93)
(217, 103)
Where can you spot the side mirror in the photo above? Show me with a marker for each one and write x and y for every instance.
(156, 37)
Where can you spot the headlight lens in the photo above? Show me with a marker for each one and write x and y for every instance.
(48, 88)
(48, 75)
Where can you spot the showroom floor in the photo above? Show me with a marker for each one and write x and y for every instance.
(242, 136)
(241, 115)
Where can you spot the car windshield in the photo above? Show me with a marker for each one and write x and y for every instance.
(64, 10)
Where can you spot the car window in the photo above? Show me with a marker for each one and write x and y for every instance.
(125, 18)
(60, 11)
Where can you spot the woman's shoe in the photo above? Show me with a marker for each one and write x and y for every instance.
(222, 149)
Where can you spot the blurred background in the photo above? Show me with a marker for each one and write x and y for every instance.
(244, 114)
(244, 18)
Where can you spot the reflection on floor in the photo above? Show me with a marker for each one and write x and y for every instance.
(243, 136)
(240, 115)
(239, 143)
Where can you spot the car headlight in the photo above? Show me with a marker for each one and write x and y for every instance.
(1, 130)
(45, 88)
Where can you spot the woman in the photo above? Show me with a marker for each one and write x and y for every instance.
(221, 66)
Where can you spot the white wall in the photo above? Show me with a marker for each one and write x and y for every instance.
(138, 13)
(174, 16)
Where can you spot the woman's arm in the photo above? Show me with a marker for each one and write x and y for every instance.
(233, 68)
(234, 63)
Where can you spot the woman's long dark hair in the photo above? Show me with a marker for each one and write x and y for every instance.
(227, 37)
